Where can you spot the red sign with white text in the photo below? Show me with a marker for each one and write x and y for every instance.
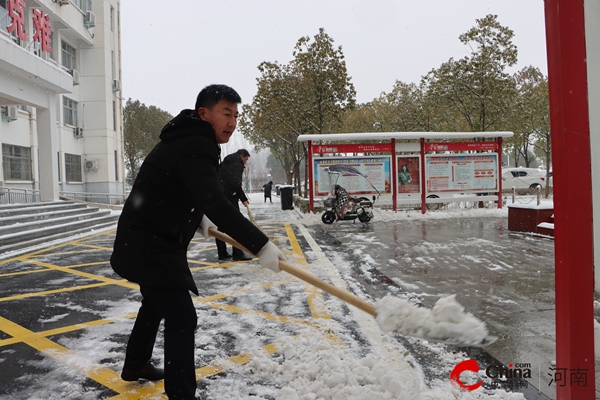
(460, 146)
(353, 148)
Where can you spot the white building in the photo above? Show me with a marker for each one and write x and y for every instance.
(60, 92)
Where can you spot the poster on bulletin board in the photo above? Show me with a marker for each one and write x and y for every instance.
(409, 174)
(358, 175)
(462, 172)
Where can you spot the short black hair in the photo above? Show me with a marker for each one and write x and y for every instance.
(210, 96)
(243, 153)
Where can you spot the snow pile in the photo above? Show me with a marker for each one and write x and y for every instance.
(313, 368)
(447, 321)
(410, 215)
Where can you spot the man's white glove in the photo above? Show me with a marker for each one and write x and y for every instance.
(204, 225)
(269, 256)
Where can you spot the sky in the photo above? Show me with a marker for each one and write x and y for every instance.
(171, 50)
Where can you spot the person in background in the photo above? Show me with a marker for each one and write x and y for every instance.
(231, 172)
(267, 187)
(176, 193)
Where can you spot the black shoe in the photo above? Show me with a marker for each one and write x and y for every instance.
(242, 258)
(225, 257)
(148, 372)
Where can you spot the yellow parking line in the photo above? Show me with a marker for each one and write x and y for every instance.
(32, 271)
(46, 292)
(58, 246)
(314, 295)
(111, 379)
(120, 282)
(95, 247)
(87, 264)
(96, 372)
(71, 328)
(220, 296)
(268, 316)
(65, 253)
(201, 373)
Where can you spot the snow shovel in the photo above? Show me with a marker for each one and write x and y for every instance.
(410, 321)
(251, 217)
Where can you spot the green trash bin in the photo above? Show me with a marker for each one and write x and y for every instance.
(287, 197)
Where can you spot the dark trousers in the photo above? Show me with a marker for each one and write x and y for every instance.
(222, 246)
(176, 308)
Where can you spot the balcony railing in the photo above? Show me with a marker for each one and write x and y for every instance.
(10, 195)
(101, 198)
(15, 195)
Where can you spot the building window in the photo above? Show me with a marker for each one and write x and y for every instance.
(58, 159)
(68, 56)
(112, 18)
(17, 162)
(116, 167)
(3, 15)
(69, 111)
(73, 168)
(84, 5)
(114, 115)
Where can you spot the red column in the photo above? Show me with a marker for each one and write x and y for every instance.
(573, 229)
(423, 183)
(394, 182)
(311, 193)
(500, 172)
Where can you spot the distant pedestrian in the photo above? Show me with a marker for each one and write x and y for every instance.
(231, 171)
(267, 187)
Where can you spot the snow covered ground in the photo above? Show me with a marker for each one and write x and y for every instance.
(273, 338)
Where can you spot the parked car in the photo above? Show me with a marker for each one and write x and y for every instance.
(523, 178)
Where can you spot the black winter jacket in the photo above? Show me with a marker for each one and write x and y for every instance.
(231, 173)
(177, 184)
(267, 188)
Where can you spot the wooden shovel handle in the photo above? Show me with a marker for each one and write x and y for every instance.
(305, 276)
(250, 216)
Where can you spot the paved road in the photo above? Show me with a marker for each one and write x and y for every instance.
(504, 279)
(54, 300)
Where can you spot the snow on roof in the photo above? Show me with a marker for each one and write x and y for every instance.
(402, 135)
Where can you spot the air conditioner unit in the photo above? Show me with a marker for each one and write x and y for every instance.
(116, 85)
(75, 74)
(91, 165)
(89, 20)
(63, 2)
(78, 132)
(11, 113)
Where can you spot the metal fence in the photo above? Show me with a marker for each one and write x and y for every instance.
(10, 195)
(101, 198)
(15, 195)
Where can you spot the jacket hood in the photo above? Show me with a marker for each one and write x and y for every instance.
(187, 123)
